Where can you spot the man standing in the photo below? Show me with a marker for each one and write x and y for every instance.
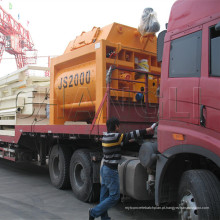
(110, 187)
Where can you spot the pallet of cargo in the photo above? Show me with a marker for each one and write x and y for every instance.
(24, 95)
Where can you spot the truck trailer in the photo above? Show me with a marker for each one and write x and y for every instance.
(114, 71)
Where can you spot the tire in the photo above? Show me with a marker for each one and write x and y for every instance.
(199, 195)
(59, 166)
(81, 177)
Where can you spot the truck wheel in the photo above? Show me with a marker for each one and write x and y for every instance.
(199, 195)
(59, 166)
(81, 177)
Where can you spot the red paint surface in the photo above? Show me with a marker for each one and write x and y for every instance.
(53, 129)
(193, 135)
(181, 98)
(187, 13)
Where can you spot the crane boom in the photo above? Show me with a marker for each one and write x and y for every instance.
(16, 40)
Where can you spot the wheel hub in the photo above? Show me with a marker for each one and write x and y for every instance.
(79, 175)
(56, 166)
(188, 208)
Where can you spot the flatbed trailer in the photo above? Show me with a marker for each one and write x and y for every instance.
(81, 100)
(98, 77)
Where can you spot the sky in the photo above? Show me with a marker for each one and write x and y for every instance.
(54, 23)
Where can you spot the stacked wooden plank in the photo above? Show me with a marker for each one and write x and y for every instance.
(24, 95)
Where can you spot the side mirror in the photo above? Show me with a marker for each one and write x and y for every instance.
(160, 44)
(217, 27)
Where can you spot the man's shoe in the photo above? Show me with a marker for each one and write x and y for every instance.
(90, 217)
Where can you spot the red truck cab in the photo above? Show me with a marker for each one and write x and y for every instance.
(189, 126)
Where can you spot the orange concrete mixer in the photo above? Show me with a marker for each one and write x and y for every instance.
(78, 77)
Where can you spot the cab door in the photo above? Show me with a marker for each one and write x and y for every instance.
(210, 77)
(181, 77)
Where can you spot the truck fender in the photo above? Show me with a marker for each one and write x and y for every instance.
(165, 158)
(160, 171)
